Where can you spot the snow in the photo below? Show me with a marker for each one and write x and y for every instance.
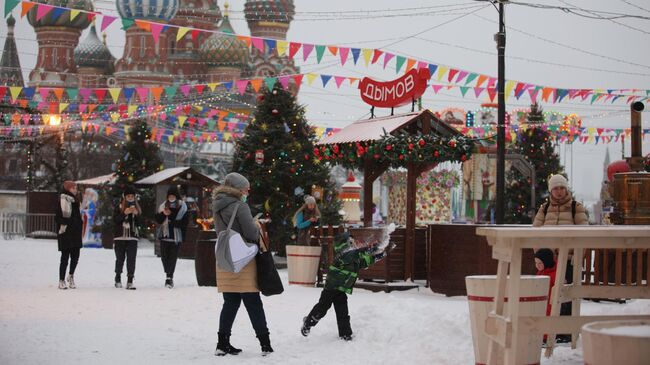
(99, 324)
(628, 331)
(162, 175)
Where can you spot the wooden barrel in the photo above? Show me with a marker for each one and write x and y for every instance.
(302, 264)
(204, 261)
(480, 297)
(616, 342)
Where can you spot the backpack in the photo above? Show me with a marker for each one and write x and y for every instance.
(573, 209)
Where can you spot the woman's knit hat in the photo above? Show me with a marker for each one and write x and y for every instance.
(557, 180)
(236, 181)
(310, 200)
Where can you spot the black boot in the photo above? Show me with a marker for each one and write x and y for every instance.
(265, 343)
(224, 347)
(307, 323)
(345, 330)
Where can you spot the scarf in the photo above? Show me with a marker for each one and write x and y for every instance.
(178, 235)
(66, 209)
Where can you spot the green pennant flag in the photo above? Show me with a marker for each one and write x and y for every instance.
(470, 78)
(100, 108)
(270, 82)
(32, 104)
(320, 51)
(127, 23)
(10, 5)
(594, 97)
(399, 62)
(211, 123)
(72, 93)
(170, 91)
(463, 90)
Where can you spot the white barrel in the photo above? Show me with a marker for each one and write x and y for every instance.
(302, 263)
(533, 291)
(616, 342)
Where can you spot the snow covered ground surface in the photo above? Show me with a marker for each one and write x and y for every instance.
(98, 324)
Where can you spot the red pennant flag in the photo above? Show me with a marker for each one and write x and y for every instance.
(294, 47)
(452, 73)
(100, 93)
(199, 89)
(492, 92)
(375, 56)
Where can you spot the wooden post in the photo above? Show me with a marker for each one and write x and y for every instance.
(371, 171)
(409, 236)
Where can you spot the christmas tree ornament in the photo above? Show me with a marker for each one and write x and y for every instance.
(259, 157)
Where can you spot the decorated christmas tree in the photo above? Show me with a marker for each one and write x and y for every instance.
(275, 154)
(139, 158)
(535, 144)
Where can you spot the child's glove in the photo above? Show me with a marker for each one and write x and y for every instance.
(379, 256)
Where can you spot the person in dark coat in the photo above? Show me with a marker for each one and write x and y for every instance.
(348, 261)
(172, 219)
(69, 226)
(126, 219)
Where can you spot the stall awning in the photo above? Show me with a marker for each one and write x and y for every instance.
(99, 180)
(374, 129)
(177, 175)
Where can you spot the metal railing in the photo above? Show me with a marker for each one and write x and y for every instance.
(16, 225)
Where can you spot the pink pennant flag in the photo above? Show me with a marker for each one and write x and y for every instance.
(156, 28)
(143, 92)
(422, 65)
(478, 91)
(461, 76)
(532, 93)
(106, 21)
(185, 89)
(85, 94)
(339, 80)
(343, 53)
(387, 58)
(45, 92)
(436, 88)
(306, 50)
(42, 10)
(258, 43)
(284, 81)
(241, 86)
(26, 118)
(82, 108)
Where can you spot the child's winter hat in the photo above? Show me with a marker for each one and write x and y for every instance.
(341, 241)
(173, 191)
(129, 190)
(68, 184)
(557, 180)
(310, 200)
(546, 256)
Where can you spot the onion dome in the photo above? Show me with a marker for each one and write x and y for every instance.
(200, 10)
(55, 19)
(92, 52)
(224, 49)
(276, 11)
(156, 10)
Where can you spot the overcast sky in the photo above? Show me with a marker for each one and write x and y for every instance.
(544, 46)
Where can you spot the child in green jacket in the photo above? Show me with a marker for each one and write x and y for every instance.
(342, 275)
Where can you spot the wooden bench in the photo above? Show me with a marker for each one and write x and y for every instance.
(504, 328)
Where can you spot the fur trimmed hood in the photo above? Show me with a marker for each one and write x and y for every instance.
(225, 195)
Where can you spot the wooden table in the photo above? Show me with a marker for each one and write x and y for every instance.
(503, 328)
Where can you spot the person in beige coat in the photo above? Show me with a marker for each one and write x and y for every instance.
(241, 286)
(561, 209)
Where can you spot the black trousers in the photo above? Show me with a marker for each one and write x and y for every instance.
(169, 255)
(340, 301)
(71, 254)
(125, 249)
(254, 307)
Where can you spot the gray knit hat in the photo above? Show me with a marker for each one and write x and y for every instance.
(310, 200)
(236, 181)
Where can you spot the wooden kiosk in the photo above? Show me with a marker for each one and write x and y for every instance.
(195, 188)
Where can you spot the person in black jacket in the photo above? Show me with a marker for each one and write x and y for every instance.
(69, 227)
(126, 219)
(172, 220)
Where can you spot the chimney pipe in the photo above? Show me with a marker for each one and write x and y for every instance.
(636, 159)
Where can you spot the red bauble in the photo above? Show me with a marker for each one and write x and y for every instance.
(260, 98)
(293, 170)
(436, 153)
(306, 157)
(401, 157)
(376, 156)
(463, 158)
(389, 147)
(452, 143)
(410, 146)
(421, 142)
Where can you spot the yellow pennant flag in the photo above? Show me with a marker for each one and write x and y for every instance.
(115, 116)
(170, 138)
(508, 88)
(83, 126)
(176, 133)
(442, 70)
(212, 86)
(310, 78)
(366, 55)
(181, 120)
(227, 136)
(181, 32)
(282, 47)
(74, 13)
(115, 93)
(41, 129)
(132, 109)
(62, 107)
(15, 91)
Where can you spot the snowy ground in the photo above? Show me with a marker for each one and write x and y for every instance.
(98, 324)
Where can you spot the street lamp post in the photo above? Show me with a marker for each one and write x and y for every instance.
(500, 39)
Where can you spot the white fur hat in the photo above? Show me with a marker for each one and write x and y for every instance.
(557, 180)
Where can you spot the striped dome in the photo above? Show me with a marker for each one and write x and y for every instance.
(147, 9)
(92, 52)
(222, 50)
(63, 20)
(277, 11)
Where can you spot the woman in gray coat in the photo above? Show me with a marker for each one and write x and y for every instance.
(241, 286)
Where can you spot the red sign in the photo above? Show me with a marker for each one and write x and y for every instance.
(397, 92)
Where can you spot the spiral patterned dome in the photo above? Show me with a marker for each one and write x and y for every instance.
(222, 50)
(277, 11)
(148, 9)
(79, 22)
(92, 52)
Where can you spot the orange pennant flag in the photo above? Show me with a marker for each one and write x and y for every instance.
(546, 92)
(333, 50)
(256, 84)
(246, 39)
(481, 80)
(409, 64)
(26, 6)
(58, 92)
(91, 107)
(156, 92)
(144, 25)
